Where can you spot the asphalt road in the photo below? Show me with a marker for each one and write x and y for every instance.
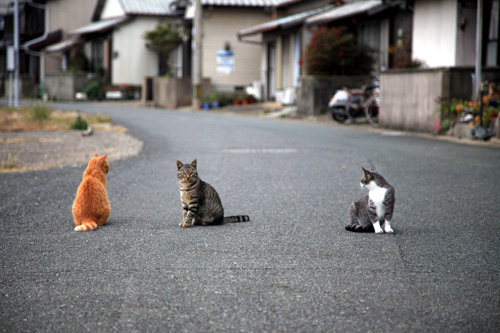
(292, 268)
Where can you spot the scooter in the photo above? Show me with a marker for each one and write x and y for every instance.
(347, 104)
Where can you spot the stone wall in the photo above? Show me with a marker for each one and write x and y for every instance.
(314, 91)
(63, 86)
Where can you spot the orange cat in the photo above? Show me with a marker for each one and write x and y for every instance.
(91, 206)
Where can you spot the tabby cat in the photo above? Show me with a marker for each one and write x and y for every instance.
(200, 201)
(91, 206)
(373, 212)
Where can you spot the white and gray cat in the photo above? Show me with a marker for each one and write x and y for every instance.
(373, 212)
(200, 202)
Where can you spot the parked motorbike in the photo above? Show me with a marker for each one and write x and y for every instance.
(348, 104)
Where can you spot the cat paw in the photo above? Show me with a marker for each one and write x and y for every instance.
(185, 225)
(387, 227)
(378, 229)
(389, 230)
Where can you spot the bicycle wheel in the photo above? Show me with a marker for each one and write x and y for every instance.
(372, 110)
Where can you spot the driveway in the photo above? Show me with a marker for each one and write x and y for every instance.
(293, 267)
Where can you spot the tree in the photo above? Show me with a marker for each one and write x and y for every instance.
(164, 39)
(334, 51)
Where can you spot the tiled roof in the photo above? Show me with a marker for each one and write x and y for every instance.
(147, 7)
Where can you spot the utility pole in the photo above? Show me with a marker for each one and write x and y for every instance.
(479, 55)
(197, 63)
(16, 53)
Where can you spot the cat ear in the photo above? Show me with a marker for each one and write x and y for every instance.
(366, 172)
(103, 157)
(179, 165)
(194, 163)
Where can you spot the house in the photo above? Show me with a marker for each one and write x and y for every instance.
(111, 43)
(283, 40)
(444, 38)
(221, 21)
(381, 25)
(113, 40)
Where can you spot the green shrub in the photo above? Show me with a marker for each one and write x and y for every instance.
(94, 90)
(79, 124)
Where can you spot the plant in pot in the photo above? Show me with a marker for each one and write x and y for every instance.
(214, 99)
(205, 102)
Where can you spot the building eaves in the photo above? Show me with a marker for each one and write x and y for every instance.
(282, 23)
(99, 26)
(243, 3)
(344, 11)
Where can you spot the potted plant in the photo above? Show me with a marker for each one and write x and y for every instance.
(205, 102)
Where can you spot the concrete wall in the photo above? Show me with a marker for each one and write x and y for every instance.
(64, 85)
(435, 32)
(134, 61)
(410, 99)
(314, 91)
(169, 92)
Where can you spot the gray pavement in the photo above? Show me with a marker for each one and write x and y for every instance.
(292, 268)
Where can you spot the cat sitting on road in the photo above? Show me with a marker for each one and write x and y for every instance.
(91, 206)
(200, 202)
(373, 212)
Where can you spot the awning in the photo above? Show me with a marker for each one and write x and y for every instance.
(99, 26)
(39, 43)
(351, 9)
(283, 23)
(61, 46)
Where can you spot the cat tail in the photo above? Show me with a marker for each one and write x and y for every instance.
(86, 226)
(236, 218)
(354, 227)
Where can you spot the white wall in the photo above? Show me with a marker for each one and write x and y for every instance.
(435, 31)
(112, 9)
(134, 60)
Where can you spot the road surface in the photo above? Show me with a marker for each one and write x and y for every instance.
(292, 268)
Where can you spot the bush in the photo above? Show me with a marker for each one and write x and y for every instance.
(79, 124)
(94, 90)
(334, 51)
